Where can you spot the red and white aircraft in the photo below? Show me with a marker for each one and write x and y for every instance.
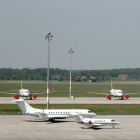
(93, 123)
(116, 93)
(24, 93)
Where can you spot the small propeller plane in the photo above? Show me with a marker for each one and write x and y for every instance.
(93, 123)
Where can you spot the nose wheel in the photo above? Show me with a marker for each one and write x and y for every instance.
(122, 98)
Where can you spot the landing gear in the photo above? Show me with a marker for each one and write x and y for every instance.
(30, 97)
(113, 126)
(122, 98)
(51, 120)
(109, 98)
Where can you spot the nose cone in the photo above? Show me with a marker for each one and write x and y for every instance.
(93, 114)
(117, 123)
(26, 93)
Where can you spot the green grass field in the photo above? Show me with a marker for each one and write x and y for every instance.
(61, 89)
(97, 108)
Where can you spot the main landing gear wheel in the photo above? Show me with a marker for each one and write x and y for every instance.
(122, 98)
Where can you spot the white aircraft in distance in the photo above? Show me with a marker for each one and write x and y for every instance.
(23, 93)
(51, 114)
(93, 123)
(115, 93)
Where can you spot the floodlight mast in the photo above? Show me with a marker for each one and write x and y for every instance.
(48, 37)
(70, 52)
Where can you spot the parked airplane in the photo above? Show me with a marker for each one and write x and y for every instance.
(51, 114)
(24, 93)
(94, 122)
(114, 92)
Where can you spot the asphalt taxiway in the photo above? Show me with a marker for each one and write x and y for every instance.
(15, 127)
(64, 100)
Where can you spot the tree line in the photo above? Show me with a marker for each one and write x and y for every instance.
(63, 74)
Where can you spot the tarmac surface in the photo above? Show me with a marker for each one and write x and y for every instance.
(24, 127)
(64, 100)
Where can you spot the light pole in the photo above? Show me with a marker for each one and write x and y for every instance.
(48, 37)
(70, 52)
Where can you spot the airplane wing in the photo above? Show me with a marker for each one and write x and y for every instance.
(96, 125)
(7, 93)
(40, 116)
(40, 92)
(96, 93)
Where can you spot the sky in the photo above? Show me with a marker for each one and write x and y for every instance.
(104, 34)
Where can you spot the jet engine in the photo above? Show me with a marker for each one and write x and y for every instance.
(89, 122)
(108, 96)
(126, 96)
(15, 96)
(34, 96)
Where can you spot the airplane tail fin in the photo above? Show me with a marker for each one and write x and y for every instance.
(77, 117)
(21, 84)
(24, 106)
(111, 85)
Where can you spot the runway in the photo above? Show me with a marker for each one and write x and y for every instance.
(64, 100)
(15, 127)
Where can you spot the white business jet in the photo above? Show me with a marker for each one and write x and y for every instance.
(23, 93)
(94, 122)
(51, 114)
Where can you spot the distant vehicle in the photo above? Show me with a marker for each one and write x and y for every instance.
(93, 123)
(116, 93)
(24, 93)
(51, 114)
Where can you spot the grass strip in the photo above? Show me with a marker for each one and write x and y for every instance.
(97, 108)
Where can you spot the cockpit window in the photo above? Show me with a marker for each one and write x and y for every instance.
(90, 112)
(113, 120)
(119, 92)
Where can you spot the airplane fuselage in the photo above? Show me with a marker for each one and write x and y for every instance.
(98, 122)
(59, 113)
(116, 92)
(24, 92)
